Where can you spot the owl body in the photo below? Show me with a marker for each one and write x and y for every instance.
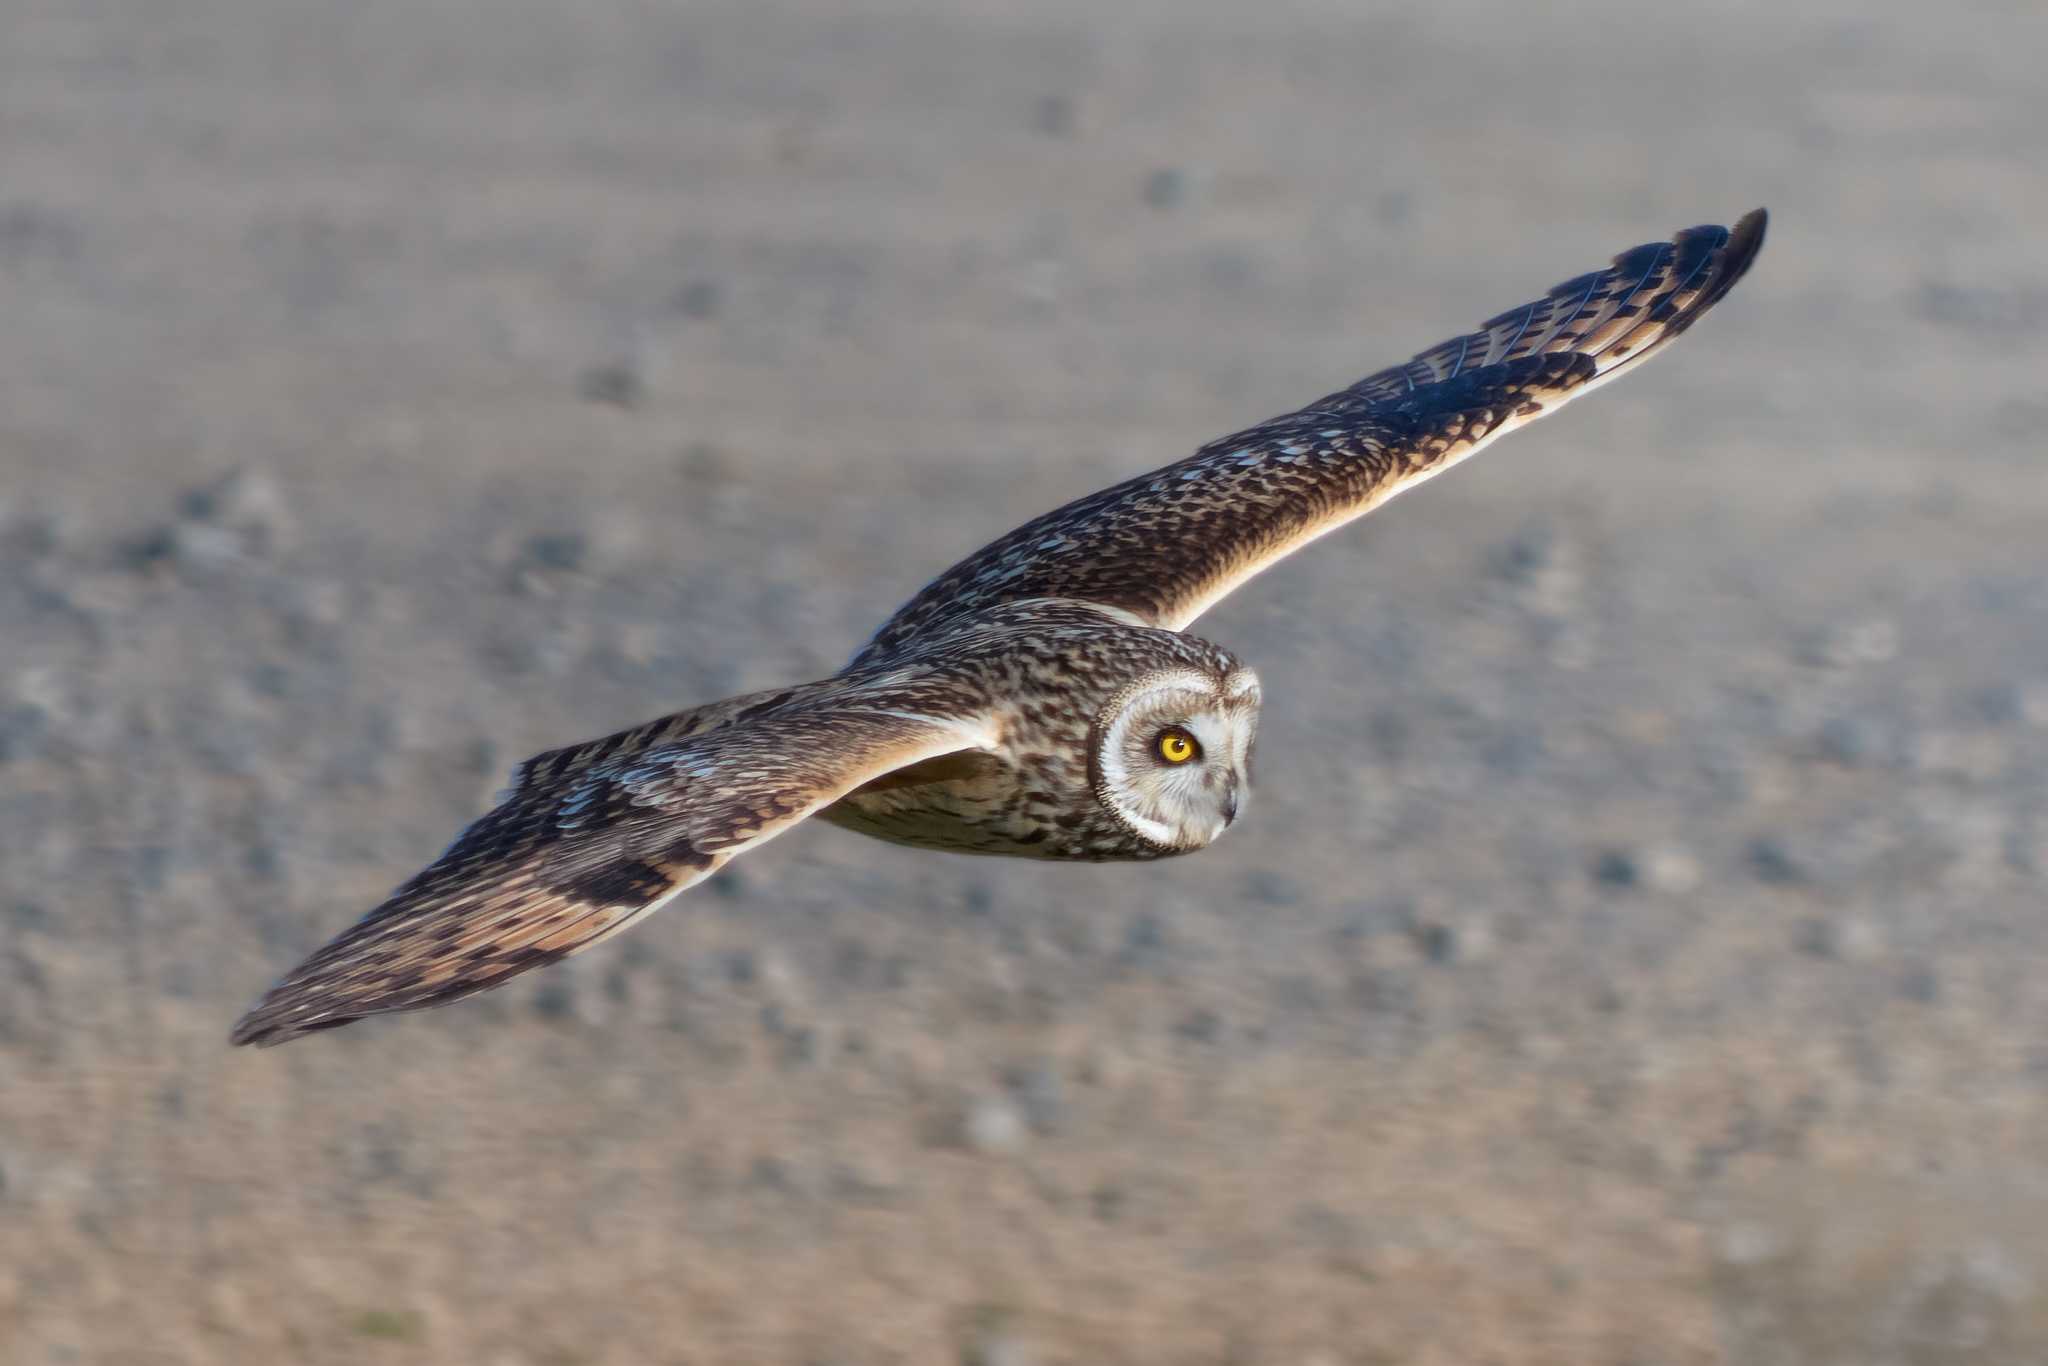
(1040, 699)
(1056, 679)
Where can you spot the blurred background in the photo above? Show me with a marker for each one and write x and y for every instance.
(1634, 954)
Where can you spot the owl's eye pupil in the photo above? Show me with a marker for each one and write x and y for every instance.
(1176, 746)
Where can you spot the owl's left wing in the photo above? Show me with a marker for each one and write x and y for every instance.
(1165, 545)
(594, 837)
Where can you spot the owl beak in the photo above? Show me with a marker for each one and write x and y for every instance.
(1230, 802)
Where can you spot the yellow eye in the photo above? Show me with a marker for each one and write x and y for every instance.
(1176, 746)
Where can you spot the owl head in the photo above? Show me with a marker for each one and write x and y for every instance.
(1170, 754)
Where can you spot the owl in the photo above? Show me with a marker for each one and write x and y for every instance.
(1040, 699)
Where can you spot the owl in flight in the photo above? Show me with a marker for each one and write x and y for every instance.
(1039, 699)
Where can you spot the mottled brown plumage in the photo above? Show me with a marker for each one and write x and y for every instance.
(1037, 700)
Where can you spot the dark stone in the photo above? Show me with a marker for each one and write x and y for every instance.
(1998, 310)
(852, 1186)
(29, 915)
(1616, 868)
(564, 550)
(1512, 754)
(30, 230)
(2001, 704)
(1815, 937)
(800, 1047)
(1200, 1026)
(1054, 116)
(771, 1173)
(1166, 187)
(1774, 864)
(698, 299)
(1850, 741)
(616, 384)
(25, 731)
(1272, 888)
(1040, 1094)
(1532, 551)
(1144, 942)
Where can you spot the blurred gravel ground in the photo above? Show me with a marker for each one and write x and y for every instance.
(1634, 954)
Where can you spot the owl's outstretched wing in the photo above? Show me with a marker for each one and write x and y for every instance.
(1165, 545)
(593, 837)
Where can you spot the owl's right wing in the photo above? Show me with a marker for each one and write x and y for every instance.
(1166, 545)
(593, 837)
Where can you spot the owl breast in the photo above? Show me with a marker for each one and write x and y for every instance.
(1029, 800)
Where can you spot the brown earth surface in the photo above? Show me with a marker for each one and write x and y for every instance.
(1634, 954)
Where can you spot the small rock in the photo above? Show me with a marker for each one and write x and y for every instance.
(1919, 983)
(1271, 888)
(1851, 741)
(698, 299)
(248, 505)
(617, 384)
(2000, 704)
(999, 1347)
(1616, 868)
(772, 1174)
(1773, 863)
(1438, 942)
(391, 1325)
(1873, 640)
(1815, 937)
(554, 998)
(559, 550)
(27, 915)
(1670, 869)
(316, 603)
(1054, 116)
(1038, 1090)
(1978, 756)
(1512, 753)
(863, 1187)
(1166, 187)
(1848, 938)
(1144, 942)
(994, 1127)
(1547, 565)
(33, 538)
(1750, 1244)
(1997, 310)
(191, 546)
(24, 731)
(29, 230)
(800, 1047)
(703, 460)
(2033, 704)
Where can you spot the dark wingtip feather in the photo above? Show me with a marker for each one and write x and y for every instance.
(1744, 241)
(266, 1026)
